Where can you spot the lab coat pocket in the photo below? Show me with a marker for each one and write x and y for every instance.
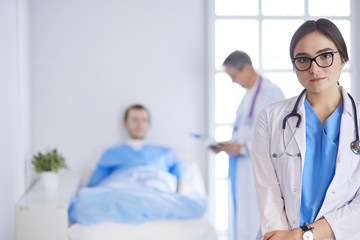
(288, 172)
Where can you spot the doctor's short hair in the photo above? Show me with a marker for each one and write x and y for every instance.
(325, 27)
(137, 107)
(237, 60)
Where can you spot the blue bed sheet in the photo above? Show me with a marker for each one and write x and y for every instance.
(135, 196)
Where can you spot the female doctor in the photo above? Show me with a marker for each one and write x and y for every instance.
(305, 160)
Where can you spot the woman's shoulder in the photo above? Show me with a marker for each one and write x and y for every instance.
(282, 105)
(271, 117)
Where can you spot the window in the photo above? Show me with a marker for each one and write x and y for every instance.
(263, 30)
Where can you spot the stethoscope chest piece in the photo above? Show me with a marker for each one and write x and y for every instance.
(355, 147)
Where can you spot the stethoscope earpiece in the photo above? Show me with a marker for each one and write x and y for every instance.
(355, 147)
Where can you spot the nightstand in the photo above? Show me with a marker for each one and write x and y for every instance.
(43, 214)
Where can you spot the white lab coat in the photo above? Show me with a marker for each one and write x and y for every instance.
(247, 211)
(278, 181)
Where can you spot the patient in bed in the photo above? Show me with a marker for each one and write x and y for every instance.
(135, 182)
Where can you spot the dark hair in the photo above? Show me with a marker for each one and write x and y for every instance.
(135, 106)
(325, 27)
(237, 60)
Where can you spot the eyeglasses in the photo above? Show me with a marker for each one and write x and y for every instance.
(323, 60)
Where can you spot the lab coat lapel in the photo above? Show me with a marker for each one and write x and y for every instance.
(347, 135)
(300, 135)
(345, 155)
(347, 129)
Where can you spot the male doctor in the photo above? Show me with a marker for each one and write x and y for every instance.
(259, 92)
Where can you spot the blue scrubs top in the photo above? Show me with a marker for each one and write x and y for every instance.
(124, 157)
(322, 143)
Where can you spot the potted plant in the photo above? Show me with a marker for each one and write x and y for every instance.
(47, 165)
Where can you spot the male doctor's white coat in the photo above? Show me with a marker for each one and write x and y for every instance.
(278, 180)
(247, 217)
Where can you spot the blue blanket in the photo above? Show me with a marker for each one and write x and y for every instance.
(134, 196)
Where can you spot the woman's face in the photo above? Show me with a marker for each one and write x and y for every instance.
(317, 79)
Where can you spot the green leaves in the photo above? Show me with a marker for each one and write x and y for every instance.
(50, 161)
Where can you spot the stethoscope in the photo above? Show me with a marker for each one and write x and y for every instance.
(250, 116)
(354, 145)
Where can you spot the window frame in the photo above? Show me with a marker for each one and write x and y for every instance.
(211, 17)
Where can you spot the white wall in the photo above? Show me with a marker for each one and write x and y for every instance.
(92, 58)
(14, 109)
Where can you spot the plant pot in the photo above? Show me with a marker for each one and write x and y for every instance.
(50, 180)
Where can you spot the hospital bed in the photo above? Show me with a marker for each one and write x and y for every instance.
(190, 229)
